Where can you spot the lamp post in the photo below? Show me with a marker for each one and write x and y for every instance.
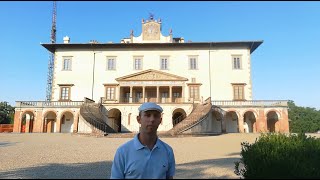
(93, 67)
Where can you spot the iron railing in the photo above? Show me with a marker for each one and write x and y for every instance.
(42, 104)
(251, 103)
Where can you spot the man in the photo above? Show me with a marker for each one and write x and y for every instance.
(145, 156)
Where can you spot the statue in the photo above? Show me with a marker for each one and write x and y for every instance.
(151, 16)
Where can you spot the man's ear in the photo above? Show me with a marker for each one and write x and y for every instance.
(139, 119)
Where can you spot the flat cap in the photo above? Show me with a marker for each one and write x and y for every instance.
(149, 106)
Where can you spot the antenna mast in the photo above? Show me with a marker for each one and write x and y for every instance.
(51, 55)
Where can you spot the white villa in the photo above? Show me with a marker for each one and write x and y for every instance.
(203, 87)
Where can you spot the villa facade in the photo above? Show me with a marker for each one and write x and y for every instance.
(203, 87)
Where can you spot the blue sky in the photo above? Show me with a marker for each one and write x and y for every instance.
(285, 67)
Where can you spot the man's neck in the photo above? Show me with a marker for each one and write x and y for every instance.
(148, 139)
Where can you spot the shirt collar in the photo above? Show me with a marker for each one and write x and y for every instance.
(138, 145)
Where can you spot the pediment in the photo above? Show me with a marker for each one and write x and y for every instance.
(151, 75)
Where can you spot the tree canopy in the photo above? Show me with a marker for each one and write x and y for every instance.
(303, 119)
(6, 113)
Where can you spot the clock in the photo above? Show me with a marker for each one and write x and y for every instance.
(151, 32)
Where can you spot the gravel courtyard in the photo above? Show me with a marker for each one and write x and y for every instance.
(41, 156)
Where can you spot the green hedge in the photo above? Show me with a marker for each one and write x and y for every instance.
(280, 156)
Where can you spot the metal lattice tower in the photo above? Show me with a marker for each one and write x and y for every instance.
(51, 55)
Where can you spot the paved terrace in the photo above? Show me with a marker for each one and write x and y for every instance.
(43, 156)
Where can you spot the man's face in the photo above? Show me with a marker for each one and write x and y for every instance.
(150, 121)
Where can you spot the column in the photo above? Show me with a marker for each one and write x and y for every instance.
(17, 121)
(27, 123)
(118, 94)
(261, 121)
(45, 125)
(157, 100)
(223, 124)
(58, 123)
(130, 98)
(170, 94)
(240, 124)
(75, 124)
(284, 121)
(182, 94)
(143, 92)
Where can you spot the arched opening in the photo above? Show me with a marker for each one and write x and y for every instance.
(27, 122)
(178, 115)
(67, 122)
(217, 121)
(232, 122)
(49, 125)
(114, 116)
(129, 118)
(272, 119)
(249, 123)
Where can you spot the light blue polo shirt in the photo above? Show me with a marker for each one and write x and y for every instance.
(135, 161)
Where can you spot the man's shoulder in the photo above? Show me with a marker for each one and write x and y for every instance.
(167, 146)
(126, 146)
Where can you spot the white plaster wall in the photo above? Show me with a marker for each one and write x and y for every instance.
(67, 127)
(81, 75)
(84, 126)
(208, 125)
(223, 75)
(133, 109)
(54, 124)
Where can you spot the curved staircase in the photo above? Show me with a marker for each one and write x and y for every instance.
(91, 112)
(200, 112)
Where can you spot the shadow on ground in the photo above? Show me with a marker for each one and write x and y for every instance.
(96, 170)
(199, 169)
(4, 144)
(101, 170)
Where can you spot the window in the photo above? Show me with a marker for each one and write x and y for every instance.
(110, 93)
(164, 63)
(164, 94)
(139, 95)
(238, 91)
(111, 63)
(194, 92)
(66, 64)
(138, 63)
(65, 93)
(193, 61)
(176, 94)
(236, 62)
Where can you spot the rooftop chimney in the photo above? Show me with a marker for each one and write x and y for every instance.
(66, 40)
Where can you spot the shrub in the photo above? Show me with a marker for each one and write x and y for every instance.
(280, 156)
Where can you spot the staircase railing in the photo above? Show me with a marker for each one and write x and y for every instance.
(92, 119)
(193, 123)
(193, 119)
(97, 126)
(108, 122)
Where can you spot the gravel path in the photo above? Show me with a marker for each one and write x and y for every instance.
(65, 156)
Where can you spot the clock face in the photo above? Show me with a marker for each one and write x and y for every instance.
(150, 29)
(151, 32)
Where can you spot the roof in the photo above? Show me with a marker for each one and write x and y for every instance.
(150, 74)
(252, 45)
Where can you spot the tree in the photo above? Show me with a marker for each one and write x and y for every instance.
(303, 119)
(6, 113)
